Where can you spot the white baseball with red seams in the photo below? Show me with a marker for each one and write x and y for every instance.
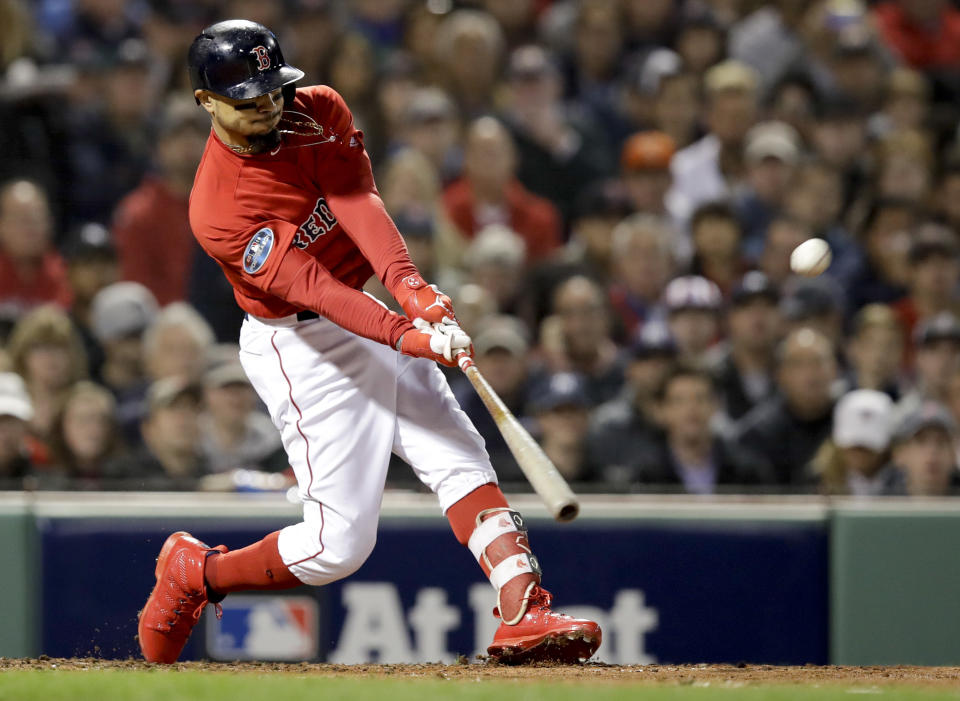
(342, 404)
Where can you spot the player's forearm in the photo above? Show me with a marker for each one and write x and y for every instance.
(310, 286)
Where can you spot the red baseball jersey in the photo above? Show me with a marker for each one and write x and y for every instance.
(303, 226)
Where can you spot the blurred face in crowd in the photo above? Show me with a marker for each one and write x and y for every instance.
(566, 424)
(598, 39)
(88, 426)
(126, 353)
(793, 104)
(700, 47)
(754, 324)
(580, 307)
(513, 15)
(176, 354)
(782, 237)
(927, 459)
(352, 70)
(49, 366)
(860, 76)
(888, 243)
(489, 158)
(25, 221)
(647, 188)
(862, 461)
(643, 262)
(230, 403)
(647, 17)
(730, 114)
(13, 431)
(90, 275)
(645, 375)
(595, 233)
(935, 277)
(435, 137)
(677, 106)
(904, 176)
(174, 429)
(504, 370)
(693, 330)
(770, 178)
(473, 65)
(816, 197)
(948, 199)
(936, 362)
(875, 353)
(688, 405)
(500, 278)
(179, 153)
(717, 238)
(129, 95)
(807, 372)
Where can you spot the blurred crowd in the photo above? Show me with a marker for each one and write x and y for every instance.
(610, 191)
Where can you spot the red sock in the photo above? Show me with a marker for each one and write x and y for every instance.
(256, 566)
(463, 514)
(463, 520)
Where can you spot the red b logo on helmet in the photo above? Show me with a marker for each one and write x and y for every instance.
(263, 58)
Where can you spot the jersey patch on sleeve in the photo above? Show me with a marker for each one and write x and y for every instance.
(258, 250)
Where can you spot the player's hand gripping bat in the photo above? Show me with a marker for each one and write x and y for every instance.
(539, 470)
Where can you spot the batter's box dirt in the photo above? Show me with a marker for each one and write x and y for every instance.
(675, 675)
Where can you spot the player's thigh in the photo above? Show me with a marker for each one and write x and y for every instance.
(435, 436)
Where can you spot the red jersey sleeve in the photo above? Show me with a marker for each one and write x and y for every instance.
(263, 257)
(347, 182)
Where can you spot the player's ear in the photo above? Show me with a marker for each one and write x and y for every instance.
(204, 99)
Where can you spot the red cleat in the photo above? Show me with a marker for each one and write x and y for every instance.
(177, 600)
(544, 636)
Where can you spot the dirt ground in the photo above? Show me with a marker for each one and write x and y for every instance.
(670, 675)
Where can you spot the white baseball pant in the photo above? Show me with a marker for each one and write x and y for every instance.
(342, 403)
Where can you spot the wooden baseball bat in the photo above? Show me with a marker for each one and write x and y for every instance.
(542, 474)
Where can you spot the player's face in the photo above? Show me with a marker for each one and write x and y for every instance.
(244, 118)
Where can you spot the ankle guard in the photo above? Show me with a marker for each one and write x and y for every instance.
(499, 543)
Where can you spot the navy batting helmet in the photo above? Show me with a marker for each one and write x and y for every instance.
(241, 60)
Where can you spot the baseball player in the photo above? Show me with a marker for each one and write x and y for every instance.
(284, 200)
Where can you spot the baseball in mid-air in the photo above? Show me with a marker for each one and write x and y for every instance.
(811, 257)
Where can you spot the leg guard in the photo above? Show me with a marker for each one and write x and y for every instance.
(499, 543)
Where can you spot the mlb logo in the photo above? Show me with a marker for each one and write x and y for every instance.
(264, 628)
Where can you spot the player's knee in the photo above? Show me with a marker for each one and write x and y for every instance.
(336, 561)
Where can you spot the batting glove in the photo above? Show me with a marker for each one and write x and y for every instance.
(439, 342)
(422, 301)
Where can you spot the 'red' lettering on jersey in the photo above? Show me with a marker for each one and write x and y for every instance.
(302, 227)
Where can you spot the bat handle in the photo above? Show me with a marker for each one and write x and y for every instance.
(464, 361)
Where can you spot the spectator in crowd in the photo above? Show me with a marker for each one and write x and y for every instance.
(885, 241)
(784, 234)
(701, 41)
(817, 303)
(856, 458)
(924, 448)
(577, 339)
(717, 236)
(628, 425)
(469, 48)
(234, 435)
(691, 456)
(643, 262)
(839, 138)
(120, 314)
(91, 266)
(171, 457)
(645, 170)
(788, 428)
(906, 103)
(500, 353)
(934, 260)
(743, 366)
(16, 412)
(176, 343)
(937, 353)
(32, 272)
(560, 409)
(926, 35)
(598, 38)
(489, 192)
(771, 152)
(558, 154)
(431, 126)
(875, 350)
(86, 437)
(947, 194)
(494, 261)
(150, 226)
(712, 167)
(904, 167)
(693, 305)
(47, 352)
